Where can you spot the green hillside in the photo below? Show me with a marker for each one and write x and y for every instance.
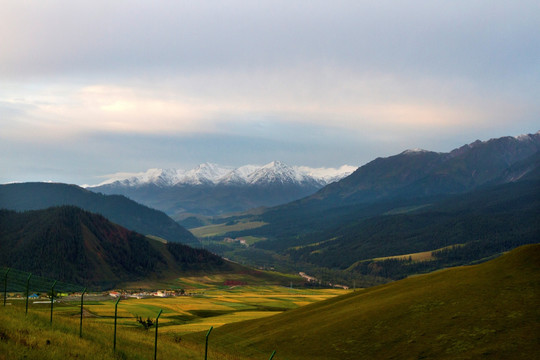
(482, 224)
(483, 311)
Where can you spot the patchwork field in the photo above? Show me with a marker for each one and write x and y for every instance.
(198, 312)
(212, 306)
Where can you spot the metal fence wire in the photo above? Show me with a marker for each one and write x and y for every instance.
(17, 281)
(23, 283)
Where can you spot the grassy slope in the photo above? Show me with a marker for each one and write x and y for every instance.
(468, 312)
(32, 336)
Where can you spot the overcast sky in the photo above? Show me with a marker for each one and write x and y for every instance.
(91, 88)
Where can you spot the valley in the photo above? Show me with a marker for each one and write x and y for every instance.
(465, 312)
(280, 180)
(363, 228)
(447, 242)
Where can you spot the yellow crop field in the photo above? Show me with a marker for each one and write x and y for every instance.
(209, 307)
(212, 306)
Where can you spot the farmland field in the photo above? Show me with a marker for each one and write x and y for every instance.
(220, 229)
(198, 312)
(205, 307)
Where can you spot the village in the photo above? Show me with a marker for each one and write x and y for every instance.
(42, 298)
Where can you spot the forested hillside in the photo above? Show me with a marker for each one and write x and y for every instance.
(76, 246)
(463, 228)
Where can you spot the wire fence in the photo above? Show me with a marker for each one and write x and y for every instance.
(29, 286)
(21, 285)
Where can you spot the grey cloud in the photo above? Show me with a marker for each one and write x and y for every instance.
(488, 38)
(271, 56)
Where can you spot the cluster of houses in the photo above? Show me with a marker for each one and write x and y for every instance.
(238, 240)
(34, 296)
(147, 294)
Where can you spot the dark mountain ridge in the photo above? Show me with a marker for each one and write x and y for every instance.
(117, 208)
(76, 246)
(423, 173)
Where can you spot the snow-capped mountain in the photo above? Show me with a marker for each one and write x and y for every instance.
(207, 174)
(213, 189)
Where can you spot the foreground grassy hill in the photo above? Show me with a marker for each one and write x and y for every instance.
(33, 337)
(483, 311)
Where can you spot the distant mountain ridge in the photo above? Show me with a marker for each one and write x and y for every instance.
(210, 189)
(117, 208)
(253, 175)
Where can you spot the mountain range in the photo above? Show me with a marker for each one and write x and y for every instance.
(463, 206)
(253, 175)
(418, 173)
(472, 203)
(117, 208)
(211, 189)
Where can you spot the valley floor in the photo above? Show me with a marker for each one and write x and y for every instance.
(34, 336)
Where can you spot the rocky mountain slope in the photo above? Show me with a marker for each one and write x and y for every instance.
(417, 173)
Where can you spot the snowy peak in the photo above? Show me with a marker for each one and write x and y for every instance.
(528, 137)
(328, 175)
(159, 177)
(274, 172)
(206, 173)
(237, 176)
(414, 151)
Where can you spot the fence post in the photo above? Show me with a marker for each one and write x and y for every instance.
(206, 346)
(80, 324)
(5, 285)
(272, 356)
(115, 315)
(27, 288)
(52, 298)
(155, 344)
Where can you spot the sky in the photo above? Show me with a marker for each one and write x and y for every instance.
(93, 88)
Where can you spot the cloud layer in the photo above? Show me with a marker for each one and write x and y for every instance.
(314, 83)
